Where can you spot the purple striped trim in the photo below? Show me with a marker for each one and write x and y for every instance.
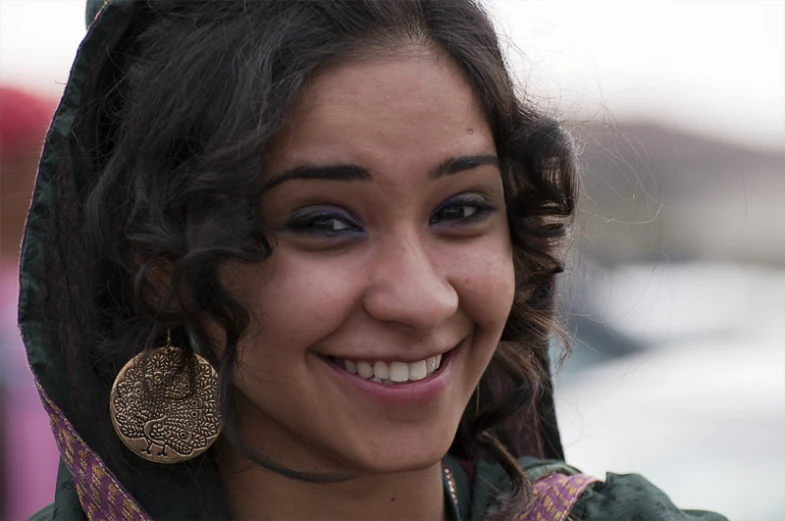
(102, 496)
(555, 496)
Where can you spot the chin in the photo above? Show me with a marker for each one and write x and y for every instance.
(406, 450)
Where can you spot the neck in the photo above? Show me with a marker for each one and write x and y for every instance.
(254, 493)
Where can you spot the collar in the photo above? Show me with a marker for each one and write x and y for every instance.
(457, 491)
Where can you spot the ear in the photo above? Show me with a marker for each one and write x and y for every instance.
(153, 282)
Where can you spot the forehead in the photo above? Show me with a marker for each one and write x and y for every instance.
(408, 109)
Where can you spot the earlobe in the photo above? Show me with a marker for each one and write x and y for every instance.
(153, 282)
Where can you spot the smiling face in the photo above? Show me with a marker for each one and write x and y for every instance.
(392, 248)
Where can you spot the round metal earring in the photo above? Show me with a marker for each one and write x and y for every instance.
(156, 411)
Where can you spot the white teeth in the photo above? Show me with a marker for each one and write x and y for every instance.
(381, 370)
(417, 371)
(399, 372)
(393, 372)
(364, 369)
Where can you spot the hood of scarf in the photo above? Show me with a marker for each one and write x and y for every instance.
(87, 487)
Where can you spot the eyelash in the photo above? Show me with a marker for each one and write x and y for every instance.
(309, 223)
(482, 209)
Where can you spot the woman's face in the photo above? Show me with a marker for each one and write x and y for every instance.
(392, 250)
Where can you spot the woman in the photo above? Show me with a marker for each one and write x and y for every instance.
(344, 210)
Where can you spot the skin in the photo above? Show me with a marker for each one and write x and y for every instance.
(393, 268)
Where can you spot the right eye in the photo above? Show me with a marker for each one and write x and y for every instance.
(323, 222)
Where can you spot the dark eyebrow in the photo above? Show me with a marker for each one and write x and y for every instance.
(327, 172)
(349, 172)
(455, 165)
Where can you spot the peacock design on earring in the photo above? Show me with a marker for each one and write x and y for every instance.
(163, 411)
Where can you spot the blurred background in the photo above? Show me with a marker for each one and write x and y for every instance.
(675, 295)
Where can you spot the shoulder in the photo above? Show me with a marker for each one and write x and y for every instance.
(632, 497)
(45, 514)
(618, 498)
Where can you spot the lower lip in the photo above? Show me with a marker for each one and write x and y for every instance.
(410, 393)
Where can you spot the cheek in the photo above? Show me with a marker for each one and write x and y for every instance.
(485, 281)
(294, 302)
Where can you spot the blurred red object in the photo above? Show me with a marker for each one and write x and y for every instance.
(28, 454)
(24, 119)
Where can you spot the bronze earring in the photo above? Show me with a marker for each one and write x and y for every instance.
(156, 412)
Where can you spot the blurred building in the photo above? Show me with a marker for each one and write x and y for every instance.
(654, 193)
(676, 300)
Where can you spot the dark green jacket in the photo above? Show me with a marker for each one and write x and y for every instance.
(192, 490)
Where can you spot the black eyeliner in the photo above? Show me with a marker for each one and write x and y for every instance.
(480, 203)
(299, 223)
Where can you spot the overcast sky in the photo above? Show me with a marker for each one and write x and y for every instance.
(713, 67)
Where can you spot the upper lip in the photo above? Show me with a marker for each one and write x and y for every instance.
(407, 358)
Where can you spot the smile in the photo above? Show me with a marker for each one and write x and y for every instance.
(396, 383)
(391, 373)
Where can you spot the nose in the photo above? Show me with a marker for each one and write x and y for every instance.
(407, 288)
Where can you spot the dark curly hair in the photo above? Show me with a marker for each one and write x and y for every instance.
(161, 187)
